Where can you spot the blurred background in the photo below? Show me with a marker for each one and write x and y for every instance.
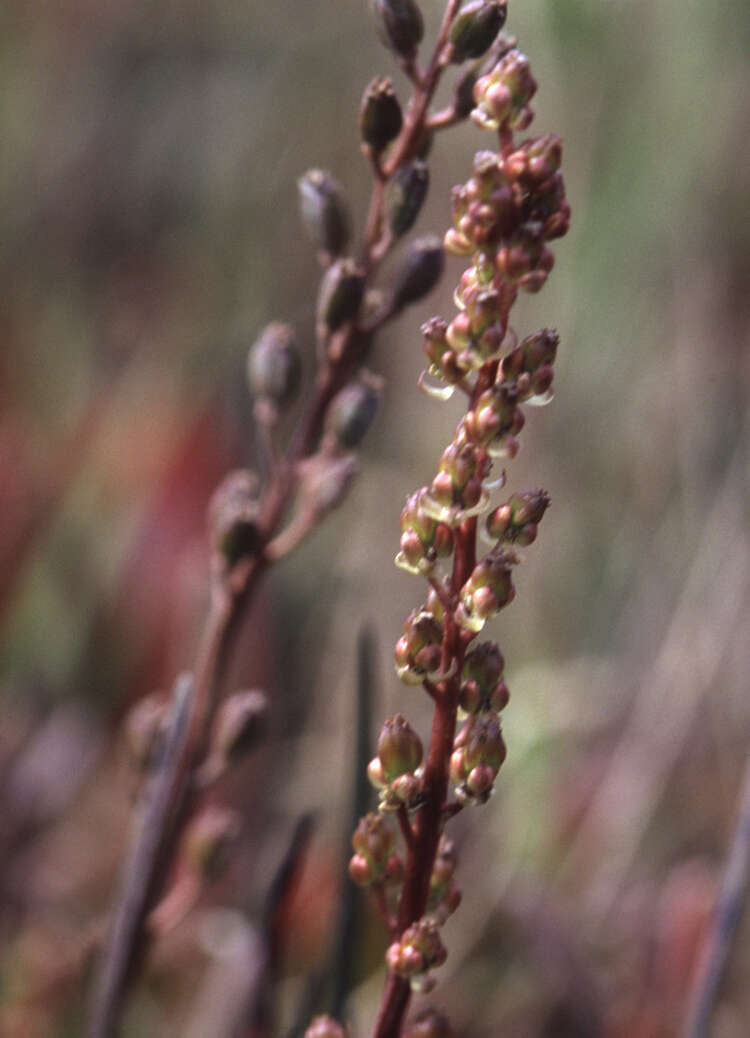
(148, 230)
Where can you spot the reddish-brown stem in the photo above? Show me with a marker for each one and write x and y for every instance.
(381, 901)
(405, 825)
(430, 817)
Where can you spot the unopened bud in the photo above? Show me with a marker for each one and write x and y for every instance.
(475, 27)
(273, 364)
(399, 24)
(351, 413)
(373, 845)
(380, 117)
(399, 747)
(405, 194)
(239, 723)
(341, 293)
(419, 272)
(323, 211)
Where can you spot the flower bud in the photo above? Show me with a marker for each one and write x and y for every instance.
(373, 842)
(325, 1027)
(446, 860)
(419, 651)
(487, 591)
(239, 723)
(405, 193)
(419, 271)
(418, 950)
(429, 1023)
(475, 27)
(380, 117)
(517, 521)
(273, 364)
(399, 24)
(234, 517)
(423, 539)
(341, 293)
(399, 747)
(351, 413)
(482, 687)
(208, 839)
(323, 211)
(503, 95)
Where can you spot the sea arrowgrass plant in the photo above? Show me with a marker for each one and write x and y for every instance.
(258, 518)
(504, 216)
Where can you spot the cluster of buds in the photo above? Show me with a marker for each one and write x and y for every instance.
(487, 591)
(395, 772)
(517, 521)
(478, 753)
(424, 540)
(482, 685)
(373, 842)
(416, 952)
(419, 650)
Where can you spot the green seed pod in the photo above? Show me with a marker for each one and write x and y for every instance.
(323, 211)
(273, 364)
(405, 194)
(399, 24)
(475, 27)
(419, 272)
(380, 118)
(399, 747)
(352, 412)
(341, 293)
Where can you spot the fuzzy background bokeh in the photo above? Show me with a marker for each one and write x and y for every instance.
(148, 230)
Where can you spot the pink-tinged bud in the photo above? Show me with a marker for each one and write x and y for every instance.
(480, 780)
(323, 210)
(517, 521)
(325, 1027)
(373, 842)
(418, 950)
(399, 747)
(208, 839)
(405, 790)
(429, 1023)
(487, 591)
(503, 96)
(233, 518)
(481, 739)
(360, 871)
(418, 652)
(423, 539)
